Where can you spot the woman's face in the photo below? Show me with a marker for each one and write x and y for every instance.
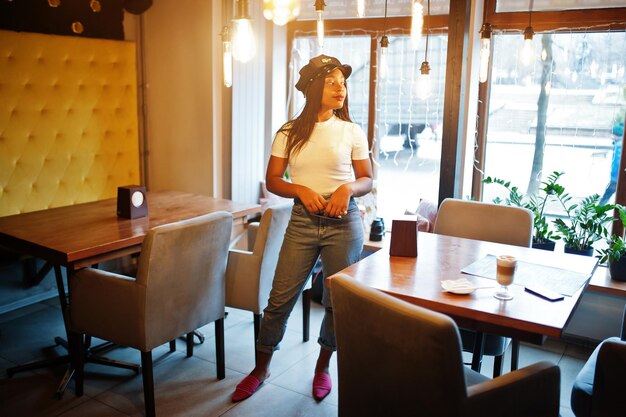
(334, 93)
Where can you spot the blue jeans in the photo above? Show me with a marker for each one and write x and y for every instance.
(339, 244)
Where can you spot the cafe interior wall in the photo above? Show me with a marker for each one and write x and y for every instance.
(15, 272)
(176, 115)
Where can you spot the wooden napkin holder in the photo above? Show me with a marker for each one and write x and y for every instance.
(403, 238)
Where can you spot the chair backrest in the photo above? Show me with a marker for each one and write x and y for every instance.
(250, 275)
(182, 271)
(269, 237)
(485, 221)
(608, 383)
(394, 358)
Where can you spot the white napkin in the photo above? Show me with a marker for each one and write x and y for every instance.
(461, 285)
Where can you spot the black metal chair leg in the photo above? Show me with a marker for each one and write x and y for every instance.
(306, 314)
(79, 365)
(477, 354)
(102, 348)
(497, 365)
(37, 365)
(219, 349)
(189, 340)
(257, 326)
(101, 360)
(148, 383)
(199, 335)
(172, 345)
(514, 354)
(67, 377)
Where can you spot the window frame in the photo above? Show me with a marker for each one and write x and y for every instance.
(596, 20)
(373, 27)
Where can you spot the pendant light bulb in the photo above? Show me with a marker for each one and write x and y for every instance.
(244, 43)
(227, 57)
(423, 88)
(281, 11)
(360, 8)
(485, 52)
(384, 65)
(527, 48)
(417, 23)
(319, 10)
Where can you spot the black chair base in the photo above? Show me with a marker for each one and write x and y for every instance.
(92, 356)
(198, 334)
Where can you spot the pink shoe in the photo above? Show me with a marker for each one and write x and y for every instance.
(246, 388)
(322, 384)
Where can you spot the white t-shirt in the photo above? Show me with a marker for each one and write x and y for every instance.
(325, 161)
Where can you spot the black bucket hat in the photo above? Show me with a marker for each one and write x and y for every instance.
(317, 67)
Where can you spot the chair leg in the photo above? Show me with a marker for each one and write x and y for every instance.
(257, 326)
(514, 354)
(148, 383)
(306, 314)
(189, 341)
(199, 335)
(172, 345)
(219, 349)
(477, 354)
(497, 365)
(79, 364)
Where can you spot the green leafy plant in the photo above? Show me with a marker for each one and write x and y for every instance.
(617, 246)
(586, 222)
(535, 203)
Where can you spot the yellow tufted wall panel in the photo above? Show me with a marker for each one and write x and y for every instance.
(68, 120)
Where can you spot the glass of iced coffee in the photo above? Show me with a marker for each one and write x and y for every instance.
(505, 272)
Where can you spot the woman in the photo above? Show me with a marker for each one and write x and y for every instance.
(329, 164)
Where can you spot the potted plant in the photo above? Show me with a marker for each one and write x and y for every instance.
(615, 253)
(586, 223)
(543, 236)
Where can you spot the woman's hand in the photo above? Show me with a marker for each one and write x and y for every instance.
(337, 205)
(312, 201)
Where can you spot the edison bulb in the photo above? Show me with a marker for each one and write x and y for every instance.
(227, 64)
(244, 44)
(384, 65)
(485, 52)
(320, 29)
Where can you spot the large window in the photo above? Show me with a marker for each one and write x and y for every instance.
(562, 112)
(406, 130)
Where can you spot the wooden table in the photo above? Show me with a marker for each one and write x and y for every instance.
(601, 282)
(418, 281)
(85, 234)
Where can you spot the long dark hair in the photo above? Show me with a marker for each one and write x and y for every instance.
(298, 130)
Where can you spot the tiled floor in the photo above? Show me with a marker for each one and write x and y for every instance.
(188, 386)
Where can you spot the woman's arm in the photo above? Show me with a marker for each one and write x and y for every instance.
(275, 182)
(338, 203)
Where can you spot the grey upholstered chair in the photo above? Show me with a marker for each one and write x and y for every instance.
(491, 223)
(397, 359)
(180, 286)
(598, 389)
(250, 271)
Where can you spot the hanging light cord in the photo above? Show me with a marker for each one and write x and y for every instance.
(385, 20)
(427, 30)
(385, 12)
(530, 12)
(384, 41)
